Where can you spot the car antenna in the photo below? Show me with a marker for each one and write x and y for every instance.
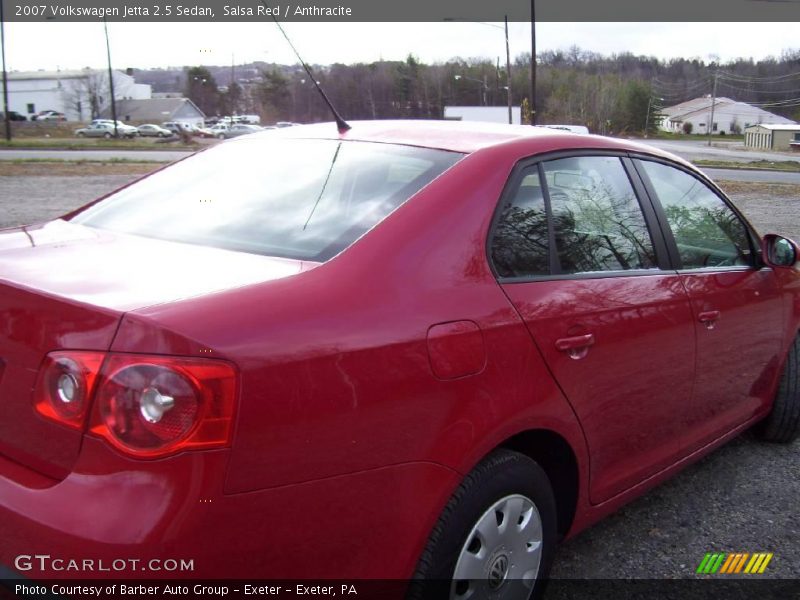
(341, 124)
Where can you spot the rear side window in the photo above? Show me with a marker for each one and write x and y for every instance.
(584, 217)
(519, 245)
(707, 232)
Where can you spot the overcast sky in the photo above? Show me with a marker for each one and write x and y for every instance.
(31, 46)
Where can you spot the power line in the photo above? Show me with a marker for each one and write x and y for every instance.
(778, 103)
(759, 91)
(746, 78)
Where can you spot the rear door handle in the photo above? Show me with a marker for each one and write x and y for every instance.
(709, 318)
(576, 346)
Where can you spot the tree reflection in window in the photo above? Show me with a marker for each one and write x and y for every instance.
(519, 244)
(599, 225)
(707, 232)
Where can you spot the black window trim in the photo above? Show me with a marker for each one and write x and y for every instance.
(525, 167)
(756, 261)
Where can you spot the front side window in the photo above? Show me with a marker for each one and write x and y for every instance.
(597, 220)
(300, 199)
(707, 232)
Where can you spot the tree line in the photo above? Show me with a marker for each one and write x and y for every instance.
(615, 94)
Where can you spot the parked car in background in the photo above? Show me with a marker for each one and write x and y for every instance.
(179, 128)
(245, 119)
(282, 124)
(249, 119)
(204, 132)
(123, 129)
(49, 115)
(405, 351)
(151, 130)
(13, 116)
(219, 129)
(111, 122)
(106, 130)
(238, 129)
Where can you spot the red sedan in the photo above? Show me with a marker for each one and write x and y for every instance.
(410, 350)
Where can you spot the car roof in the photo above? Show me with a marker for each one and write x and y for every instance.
(460, 136)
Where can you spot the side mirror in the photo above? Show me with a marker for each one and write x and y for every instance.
(779, 251)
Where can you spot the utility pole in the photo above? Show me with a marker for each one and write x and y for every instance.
(233, 83)
(110, 80)
(508, 74)
(713, 102)
(7, 117)
(533, 62)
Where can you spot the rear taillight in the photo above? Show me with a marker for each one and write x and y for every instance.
(148, 406)
(151, 406)
(65, 385)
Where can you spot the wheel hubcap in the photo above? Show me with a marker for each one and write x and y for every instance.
(501, 556)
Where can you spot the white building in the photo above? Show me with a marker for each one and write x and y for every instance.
(80, 95)
(490, 114)
(730, 116)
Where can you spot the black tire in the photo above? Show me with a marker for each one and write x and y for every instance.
(221, 136)
(502, 474)
(81, 134)
(783, 423)
(107, 135)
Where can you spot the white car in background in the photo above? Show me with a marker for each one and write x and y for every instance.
(152, 130)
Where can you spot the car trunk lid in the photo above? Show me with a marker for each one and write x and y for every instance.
(66, 287)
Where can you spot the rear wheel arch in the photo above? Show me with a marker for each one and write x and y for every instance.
(555, 456)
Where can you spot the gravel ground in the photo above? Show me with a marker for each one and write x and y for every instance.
(25, 200)
(744, 497)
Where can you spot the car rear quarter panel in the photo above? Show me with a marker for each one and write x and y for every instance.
(336, 375)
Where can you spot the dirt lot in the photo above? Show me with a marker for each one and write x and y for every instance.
(744, 497)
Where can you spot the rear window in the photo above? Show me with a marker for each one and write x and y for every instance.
(301, 199)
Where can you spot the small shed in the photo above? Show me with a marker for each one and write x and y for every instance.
(772, 136)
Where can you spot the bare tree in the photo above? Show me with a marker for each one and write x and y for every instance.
(86, 94)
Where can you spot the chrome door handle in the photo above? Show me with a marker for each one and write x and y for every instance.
(576, 346)
(709, 318)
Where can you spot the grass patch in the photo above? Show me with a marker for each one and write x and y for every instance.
(666, 135)
(791, 166)
(75, 168)
(80, 161)
(97, 144)
(779, 190)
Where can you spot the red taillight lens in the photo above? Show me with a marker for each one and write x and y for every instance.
(65, 385)
(152, 406)
(148, 406)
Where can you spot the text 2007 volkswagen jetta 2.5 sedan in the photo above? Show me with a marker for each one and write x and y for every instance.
(408, 350)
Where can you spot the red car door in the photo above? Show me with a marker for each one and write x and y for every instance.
(572, 249)
(736, 305)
